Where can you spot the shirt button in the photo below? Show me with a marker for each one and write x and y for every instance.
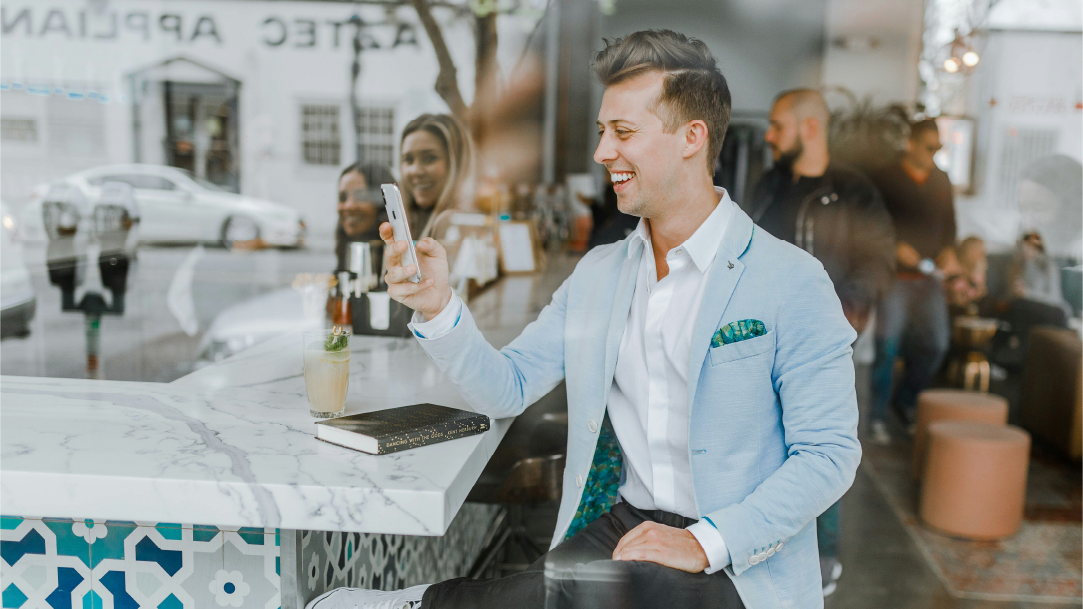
(592, 426)
(578, 480)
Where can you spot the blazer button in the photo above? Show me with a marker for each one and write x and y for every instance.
(762, 556)
(592, 426)
(779, 546)
(770, 552)
(578, 480)
(755, 560)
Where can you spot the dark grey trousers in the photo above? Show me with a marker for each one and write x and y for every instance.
(579, 573)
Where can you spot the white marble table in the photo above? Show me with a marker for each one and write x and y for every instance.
(232, 446)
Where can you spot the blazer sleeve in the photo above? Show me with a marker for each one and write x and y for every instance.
(503, 383)
(814, 377)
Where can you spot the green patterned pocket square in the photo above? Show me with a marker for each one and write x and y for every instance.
(737, 331)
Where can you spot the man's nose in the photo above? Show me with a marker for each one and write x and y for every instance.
(605, 152)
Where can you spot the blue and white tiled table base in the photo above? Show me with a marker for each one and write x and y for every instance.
(72, 564)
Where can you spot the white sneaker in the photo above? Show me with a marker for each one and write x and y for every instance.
(880, 434)
(357, 598)
(830, 572)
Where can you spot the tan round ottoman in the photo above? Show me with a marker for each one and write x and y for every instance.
(953, 405)
(975, 479)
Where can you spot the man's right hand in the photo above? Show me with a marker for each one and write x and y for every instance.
(433, 293)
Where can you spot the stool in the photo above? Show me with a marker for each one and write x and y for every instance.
(975, 479)
(953, 405)
(526, 470)
(971, 337)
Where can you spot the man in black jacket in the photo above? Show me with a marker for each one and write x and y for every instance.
(834, 213)
(829, 210)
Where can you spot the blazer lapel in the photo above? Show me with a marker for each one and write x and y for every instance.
(726, 271)
(622, 302)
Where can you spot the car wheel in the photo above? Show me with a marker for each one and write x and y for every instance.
(240, 232)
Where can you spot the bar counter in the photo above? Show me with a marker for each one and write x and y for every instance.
(102, 481)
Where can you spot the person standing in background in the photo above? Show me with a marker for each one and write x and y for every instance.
(834, 213)
(437, 166)
(919, 198)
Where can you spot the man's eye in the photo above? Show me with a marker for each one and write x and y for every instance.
(341, 197)
(622, 132)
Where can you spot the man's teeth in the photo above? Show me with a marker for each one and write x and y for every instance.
(621, 177)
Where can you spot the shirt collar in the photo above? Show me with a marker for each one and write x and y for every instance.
(703, 244)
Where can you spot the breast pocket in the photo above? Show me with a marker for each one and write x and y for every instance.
(743, 349)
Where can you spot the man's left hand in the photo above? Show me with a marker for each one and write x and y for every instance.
(667, 546)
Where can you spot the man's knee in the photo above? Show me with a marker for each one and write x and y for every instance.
(600, 583)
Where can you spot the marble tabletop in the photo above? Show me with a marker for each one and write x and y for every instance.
(233, 444)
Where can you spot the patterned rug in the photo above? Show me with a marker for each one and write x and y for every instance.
(1043, 562)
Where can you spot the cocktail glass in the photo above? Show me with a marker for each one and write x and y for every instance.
(327, 371)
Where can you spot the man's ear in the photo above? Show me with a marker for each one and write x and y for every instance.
(809, 128)
(695, 138)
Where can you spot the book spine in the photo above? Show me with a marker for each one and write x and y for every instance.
(432, 434)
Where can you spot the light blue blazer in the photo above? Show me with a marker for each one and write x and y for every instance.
(772, 428)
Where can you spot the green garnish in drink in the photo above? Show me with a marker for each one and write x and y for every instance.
(336, 341)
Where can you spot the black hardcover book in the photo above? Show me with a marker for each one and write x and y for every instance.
(388, 431)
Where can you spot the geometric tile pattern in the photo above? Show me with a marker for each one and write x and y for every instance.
(54, 563)
(332, 560)
(98, 564)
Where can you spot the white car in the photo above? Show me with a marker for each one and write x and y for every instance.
(177, 206)
(17, 298)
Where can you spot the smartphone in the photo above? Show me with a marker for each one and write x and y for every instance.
(400, 225)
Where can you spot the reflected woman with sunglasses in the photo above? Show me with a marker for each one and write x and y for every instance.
(360, 206)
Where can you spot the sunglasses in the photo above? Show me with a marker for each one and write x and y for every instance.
(360, 195)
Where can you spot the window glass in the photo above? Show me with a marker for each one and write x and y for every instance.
(139, 181)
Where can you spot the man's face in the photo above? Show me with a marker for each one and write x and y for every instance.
(642, 159)
(783, 135)
(921, 149)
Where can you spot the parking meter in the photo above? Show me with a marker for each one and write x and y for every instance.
(73, 227)
(63, 211)
(115, 219)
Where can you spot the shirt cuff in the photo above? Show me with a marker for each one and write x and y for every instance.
(441, 324)
(710, 539)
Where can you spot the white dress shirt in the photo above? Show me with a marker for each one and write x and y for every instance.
(648, 401)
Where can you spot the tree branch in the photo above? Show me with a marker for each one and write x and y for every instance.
(447, 84)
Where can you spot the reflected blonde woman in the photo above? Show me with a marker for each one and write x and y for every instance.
(437, 167)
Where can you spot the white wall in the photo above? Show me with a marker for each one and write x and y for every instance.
(873, 48)
(275, 79)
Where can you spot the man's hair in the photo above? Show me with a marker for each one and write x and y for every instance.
(917, 128)
(693, 88)
(807, 103)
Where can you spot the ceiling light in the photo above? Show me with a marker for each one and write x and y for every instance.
(970, 58)
(951, 65)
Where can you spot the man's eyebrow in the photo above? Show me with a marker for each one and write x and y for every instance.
(613, 121)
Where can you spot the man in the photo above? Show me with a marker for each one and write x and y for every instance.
(835, 214)
(829, 210)
(919, 198)
(710, 385)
